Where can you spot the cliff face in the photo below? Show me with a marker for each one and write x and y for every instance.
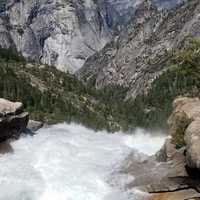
(135, 60)
(63, 33)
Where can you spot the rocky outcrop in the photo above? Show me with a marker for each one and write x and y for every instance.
(191, 130)
(136, 59)
(34, 126)
(190, 194)
(164, 172)
(178, 123)
(13, 120)
(192, 140)
(173, 173)
(164, 176)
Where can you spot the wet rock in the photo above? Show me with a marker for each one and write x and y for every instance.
(167, 152)
(190, 194)
(173, 173)
(5, 147)
(33, 126)
(153, 176)
(13, 120)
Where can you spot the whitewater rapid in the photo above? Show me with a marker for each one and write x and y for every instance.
(71, 162)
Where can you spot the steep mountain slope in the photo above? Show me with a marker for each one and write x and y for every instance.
(51, 95)
(137, 59)
(167, 3)
(147, 56)
(62, 33)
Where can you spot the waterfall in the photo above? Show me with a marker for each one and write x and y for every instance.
(71, 162)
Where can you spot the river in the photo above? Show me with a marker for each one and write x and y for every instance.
(71, 162)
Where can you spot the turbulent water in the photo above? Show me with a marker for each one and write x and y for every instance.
(70, 162)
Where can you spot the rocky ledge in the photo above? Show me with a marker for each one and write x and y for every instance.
(13, 119)
(174, 172)
(34, 126)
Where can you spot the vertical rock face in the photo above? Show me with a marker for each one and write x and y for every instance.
(190, 128)
(63, 33)
(136, 59)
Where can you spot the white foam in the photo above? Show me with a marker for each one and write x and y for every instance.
(70, 162)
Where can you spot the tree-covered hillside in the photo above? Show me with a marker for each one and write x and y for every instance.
(53, 96)
(50, 95)
(182, 78)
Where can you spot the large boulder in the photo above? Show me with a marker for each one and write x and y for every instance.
(13, 119)
(178, 122)
(185, 128)
(192, 139)
(9, 108)
(171, 173)
(185, 110)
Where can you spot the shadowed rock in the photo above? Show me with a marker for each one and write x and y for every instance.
(33, 126)
(5, 147)
(13, 120)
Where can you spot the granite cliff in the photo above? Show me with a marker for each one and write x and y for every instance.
(62, 33)
(137, 58)
(65, 33)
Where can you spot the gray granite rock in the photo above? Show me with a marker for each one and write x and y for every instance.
(34, 126)
(192, 139)
(63, 33)
(136, 59)
(13, 120)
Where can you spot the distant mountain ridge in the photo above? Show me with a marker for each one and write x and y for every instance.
(135, 60)
(63, 33)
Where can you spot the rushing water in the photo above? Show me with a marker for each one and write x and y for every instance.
(70, 162)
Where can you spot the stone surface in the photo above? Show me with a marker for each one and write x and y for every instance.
(192, 139)
(34, 125)
(168, 174)
(178, 123)
(190, 128)
(179, 195)
(153, 176)
(8, 107)
(136, 59)
(13, 120)
(169, 153)
(191, 106)
(64, 33)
